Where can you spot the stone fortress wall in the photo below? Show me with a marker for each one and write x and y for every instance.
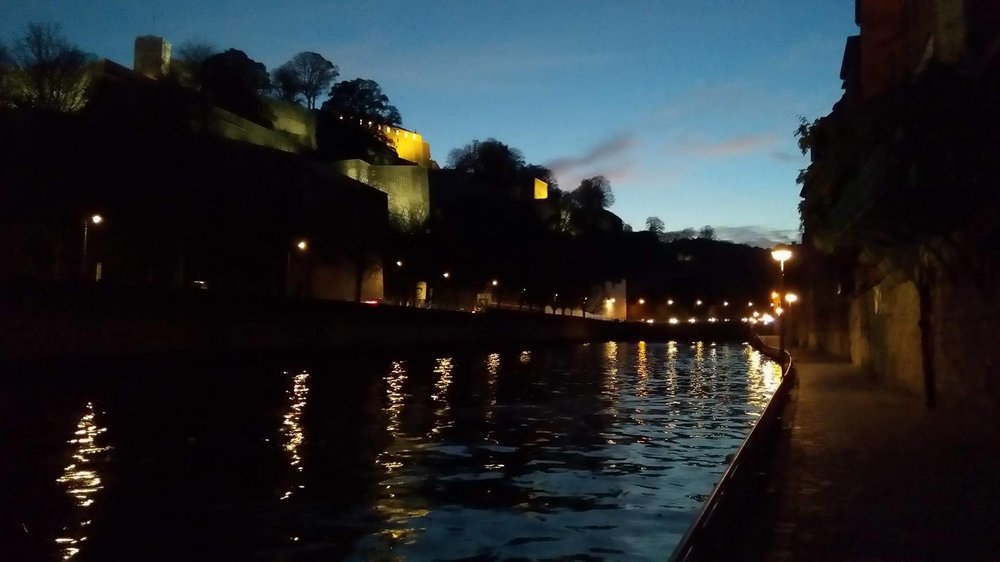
(294, 130)
(407, 188)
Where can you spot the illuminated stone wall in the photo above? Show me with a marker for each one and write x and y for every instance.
(295, 121)
(409, 145)
(885, 334)
(335, 280)
(406, 187)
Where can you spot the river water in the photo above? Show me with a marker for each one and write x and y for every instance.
(584, 452)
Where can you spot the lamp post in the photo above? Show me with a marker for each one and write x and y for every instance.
(301, 246)
(781, 254)
(96, 220)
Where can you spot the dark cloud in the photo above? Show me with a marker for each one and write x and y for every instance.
(610, 158)
(734, 146)
(783, 156)
(759, 236)
(616, 145)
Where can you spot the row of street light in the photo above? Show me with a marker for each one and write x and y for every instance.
(781, 254)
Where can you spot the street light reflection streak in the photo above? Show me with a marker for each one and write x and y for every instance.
(394, 380)
(443, 370)
(291, 427)
(493, 374)
(642, 370)
(763, 378)
(80, 478)
(610, 386)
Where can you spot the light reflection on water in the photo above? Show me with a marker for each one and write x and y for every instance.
(612, 471)
(81, 479)
(292, 432)
(602, 450)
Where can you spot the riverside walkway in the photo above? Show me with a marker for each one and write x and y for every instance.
(869, 473)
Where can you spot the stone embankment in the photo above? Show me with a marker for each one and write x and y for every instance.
(93, 323)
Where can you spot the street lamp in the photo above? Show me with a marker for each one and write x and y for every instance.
(642, 301)
(96, 220)
(781, 254)
(495, 282)
(301, 245)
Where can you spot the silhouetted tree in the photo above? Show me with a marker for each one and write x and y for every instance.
(6, 77)
(627, 227)
(585, 203)
(654, 225)
(531, 171)
(195, 52)
(343, 139)
(233, 80)
(490, 161)
(674, 235)
(363, 99)
(285, 83)
(594, 194)
(707, 232)
(44, 70)
(308, 74)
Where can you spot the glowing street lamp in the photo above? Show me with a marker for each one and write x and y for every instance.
(495, 282)
(697, 302)
(399, 263)
(642, 301)
(791, 298)
(670, 302)
(300, 245)
(95, 220)
(446, 275)
(781, 254)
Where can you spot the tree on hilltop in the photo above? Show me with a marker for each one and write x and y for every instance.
(285, 84)
(363, 99)
(655, 225)
(583, 205)
(6, 77)
(185, 64)
(594, 194)
(490, 161)
(43, 70)
(233, 80)
(316, 73)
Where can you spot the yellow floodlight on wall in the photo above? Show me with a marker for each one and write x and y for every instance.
(541, 189)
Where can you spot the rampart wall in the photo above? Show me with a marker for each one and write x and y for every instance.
(407, 188)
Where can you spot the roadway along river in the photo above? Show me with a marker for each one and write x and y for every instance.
(602, 450)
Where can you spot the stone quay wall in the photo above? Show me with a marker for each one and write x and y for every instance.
(97, 323)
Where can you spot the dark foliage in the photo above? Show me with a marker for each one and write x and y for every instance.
(234, 81)
(43, 70)
(362, 99)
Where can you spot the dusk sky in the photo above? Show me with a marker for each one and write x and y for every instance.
(688, 107)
